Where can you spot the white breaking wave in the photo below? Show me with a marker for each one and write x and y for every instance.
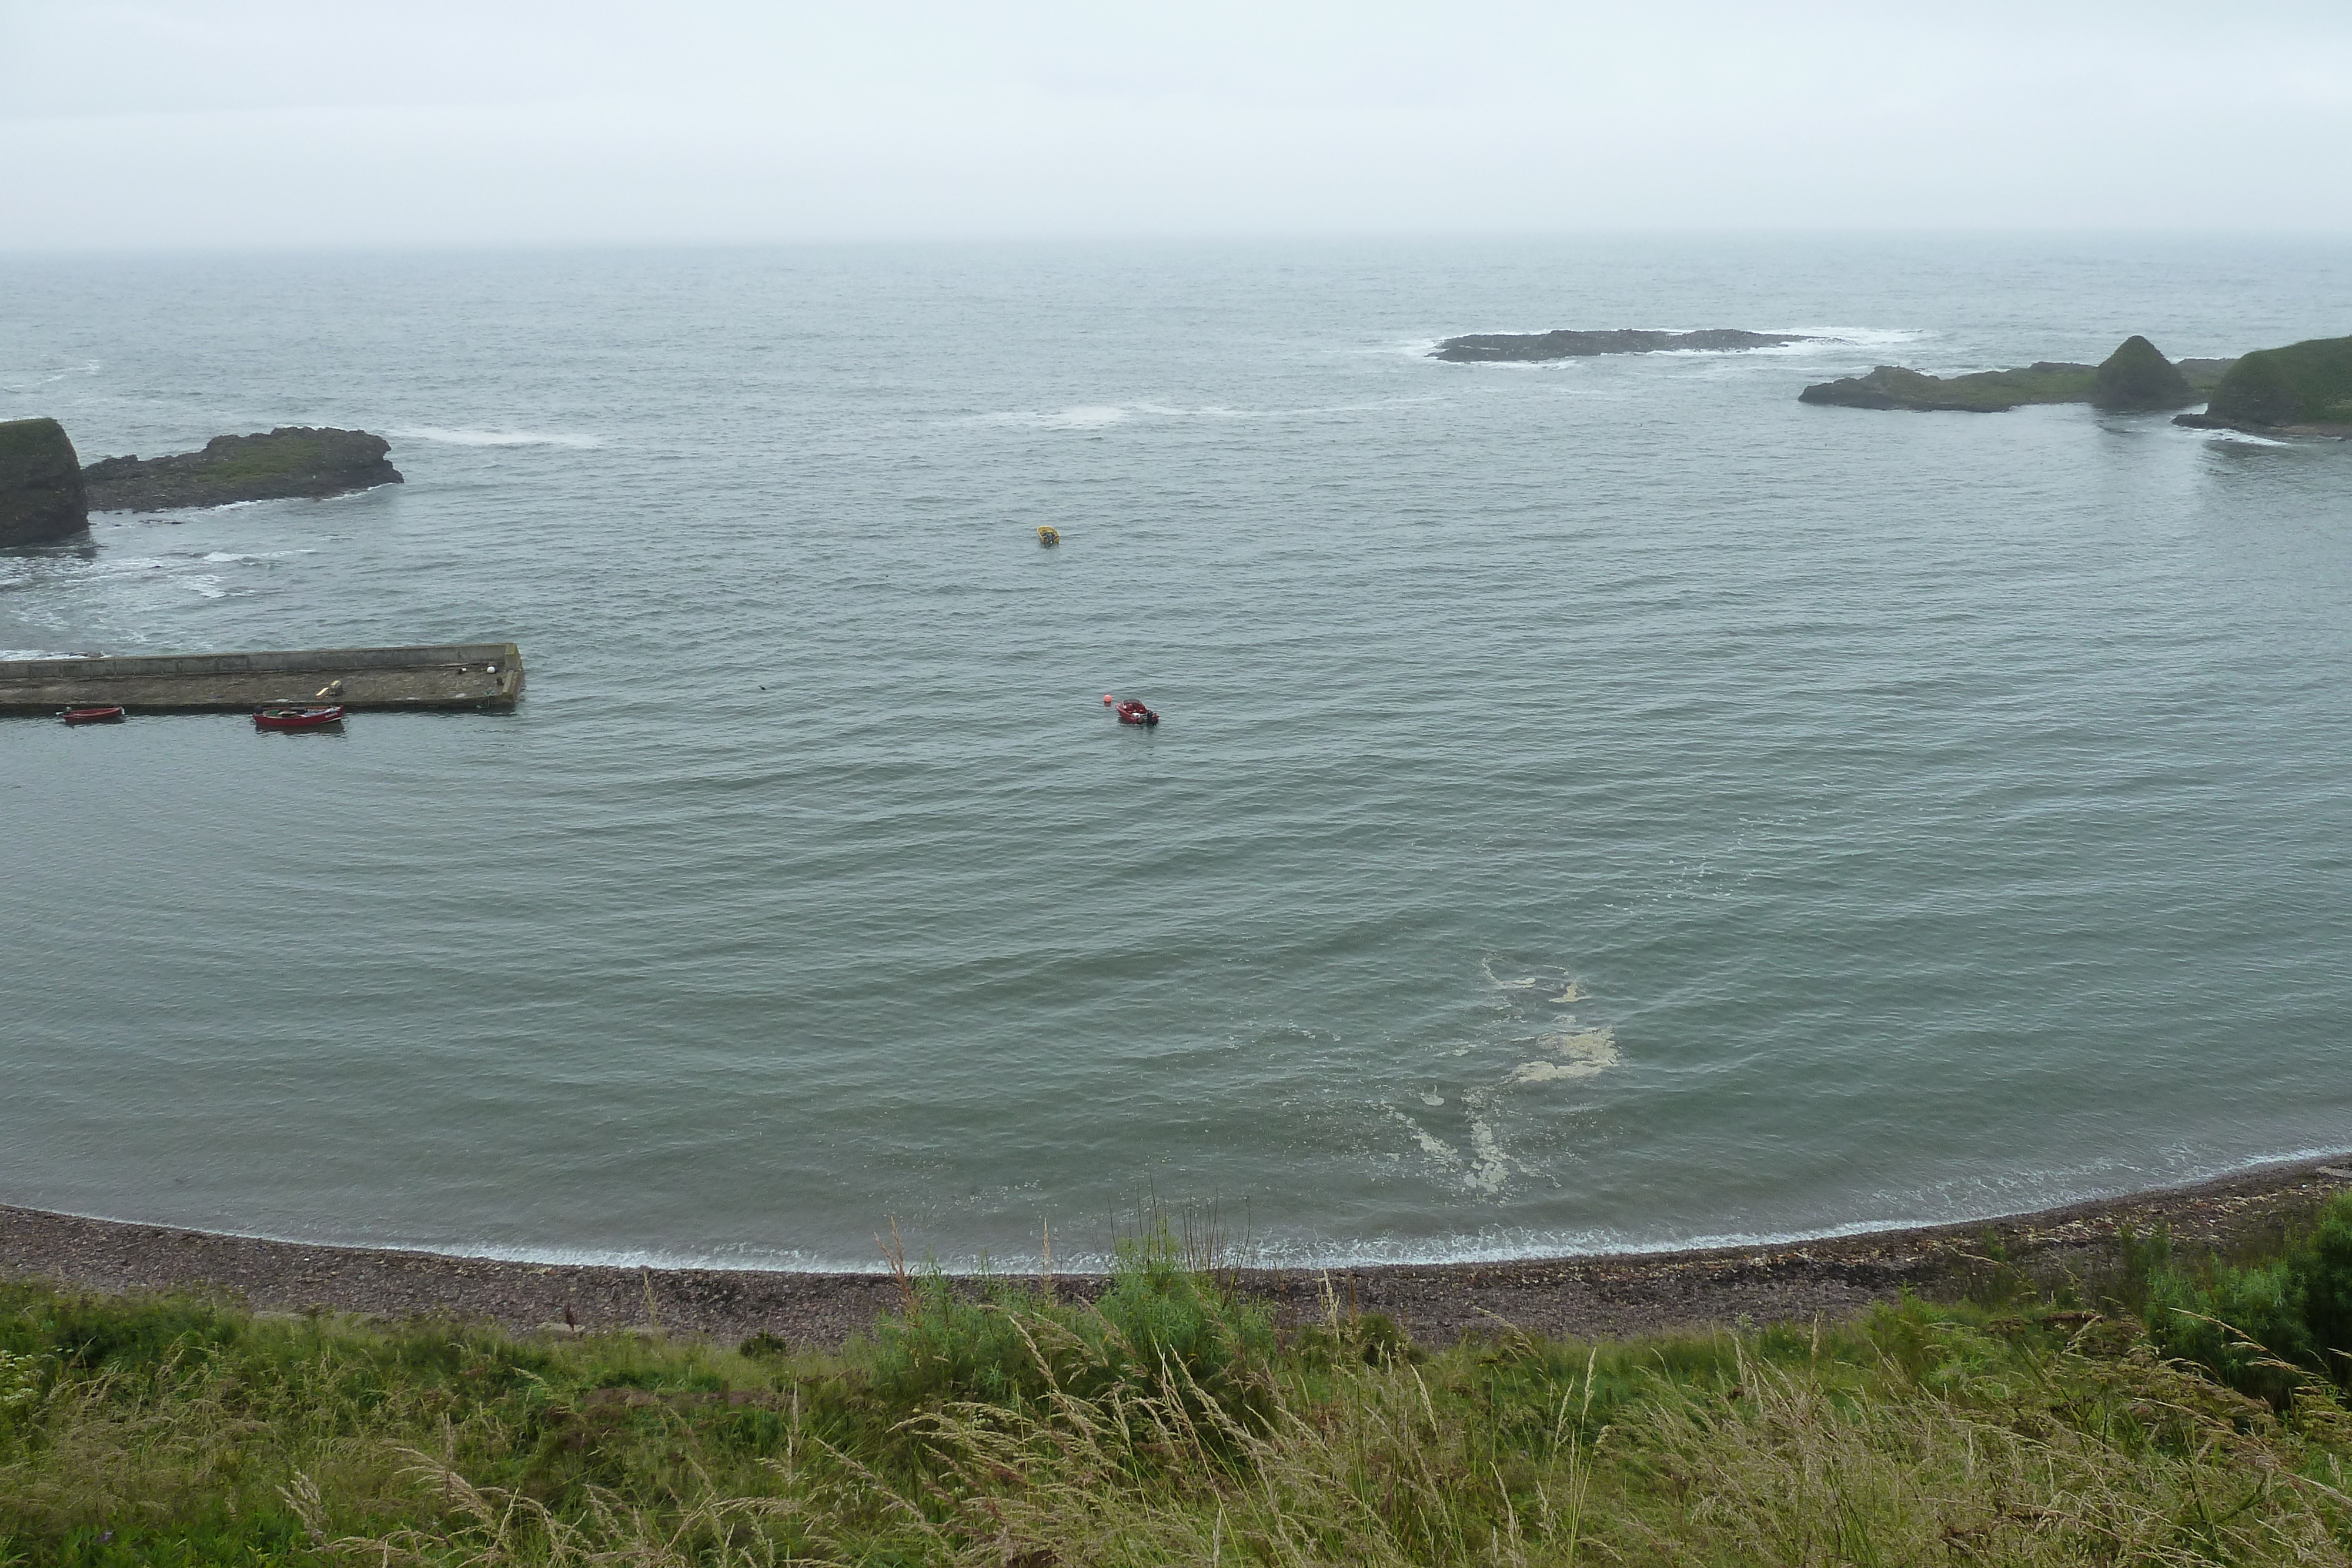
(2236, 437)
(1084, 417)
(1099, 416)
(1844, 340)
(499, 437)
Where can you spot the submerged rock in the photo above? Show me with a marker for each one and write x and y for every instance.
(1572, 345)
(2303, 389)
(290, 462)
(41, 491)
(2137, 378)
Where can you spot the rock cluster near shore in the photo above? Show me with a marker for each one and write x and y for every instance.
(42, 496)
(2303, 389)
(289, 462)
(47, 494)
(1566, 344)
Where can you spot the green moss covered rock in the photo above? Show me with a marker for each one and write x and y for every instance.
(2136, 377)
(41, 492)
(2303, 389)
(1985, 391)
(288, 461)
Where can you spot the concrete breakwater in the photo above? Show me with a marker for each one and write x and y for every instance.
(483, 675)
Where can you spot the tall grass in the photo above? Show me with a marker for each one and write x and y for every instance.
(1170, 1422)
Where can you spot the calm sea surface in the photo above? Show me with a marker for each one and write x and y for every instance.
(1604, 804)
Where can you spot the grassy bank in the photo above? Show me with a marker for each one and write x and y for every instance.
(2106, 1420)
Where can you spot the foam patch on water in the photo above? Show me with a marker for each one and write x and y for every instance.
(1487, 1168)
(1436, 1148)
(448, 437)
(1538, 1048)
(1490, 1163)
(1577, 1053)
(1089, 416)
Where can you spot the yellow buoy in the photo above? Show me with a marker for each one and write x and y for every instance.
(1049, 537)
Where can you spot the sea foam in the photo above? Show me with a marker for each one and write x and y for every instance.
(499, 437)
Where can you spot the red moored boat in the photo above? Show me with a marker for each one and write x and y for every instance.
(297, 718)
(91, 714)
(1133, 712)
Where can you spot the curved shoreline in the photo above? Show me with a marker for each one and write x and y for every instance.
(1594, 1294)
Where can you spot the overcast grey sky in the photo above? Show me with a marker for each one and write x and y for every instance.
(237, 122)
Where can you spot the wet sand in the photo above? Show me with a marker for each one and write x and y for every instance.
(1589, 1295)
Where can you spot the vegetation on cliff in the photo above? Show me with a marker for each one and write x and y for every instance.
(41, 491)
(290, 462)
(2305, 386)
(2120, 1420)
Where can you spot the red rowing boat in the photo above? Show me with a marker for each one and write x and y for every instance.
(91, 714)
(297, 718)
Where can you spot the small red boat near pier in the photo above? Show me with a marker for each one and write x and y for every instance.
(92, 715)
(297, 718)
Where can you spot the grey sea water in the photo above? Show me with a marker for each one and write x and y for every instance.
(1604, 804)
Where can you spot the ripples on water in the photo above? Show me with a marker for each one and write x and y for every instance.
(1600, 804)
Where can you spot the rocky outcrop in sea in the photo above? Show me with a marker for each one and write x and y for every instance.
(41, 490)
(291, 462)
(2303, 389)
(1984, 392)
(2135, 377)
(1572, 345)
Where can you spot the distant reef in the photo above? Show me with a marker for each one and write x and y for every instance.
(1571, 345)
(2303, 389)
(291, 462)
(2135, 377)
(41, 492)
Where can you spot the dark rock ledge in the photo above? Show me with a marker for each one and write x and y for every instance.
(1566, 344)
